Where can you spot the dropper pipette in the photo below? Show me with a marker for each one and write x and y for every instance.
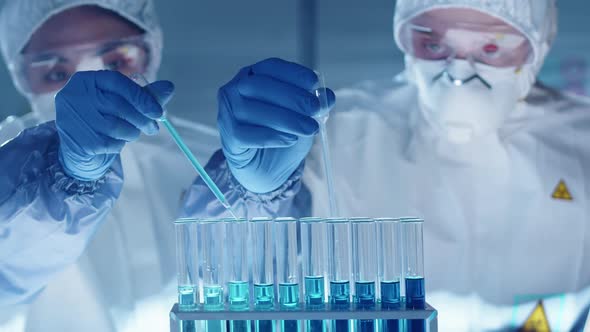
(187, 152)
(322, 118)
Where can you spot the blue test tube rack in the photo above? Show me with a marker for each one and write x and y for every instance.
(325, 315)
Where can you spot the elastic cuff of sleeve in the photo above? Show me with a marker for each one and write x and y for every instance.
(285, 191)
(62, 181)
(85, 168)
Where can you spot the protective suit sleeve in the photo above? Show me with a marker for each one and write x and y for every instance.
(291, 199)
(46, 217)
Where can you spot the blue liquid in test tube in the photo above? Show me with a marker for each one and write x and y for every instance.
(186, 297)
(289, 295)
(213, 297)
(340, 293)
(415, 294)
(238, 301)
(212, 269)
(391, 299)
(187, 267)
(264, 300)
(339, 269)
(289, 299)
(314, 291)
(415, 299)
(314, 257)
(314, 298)
(187, 255)
(264, 296)
(238, 297)
(390, 294)
(390, 273)
(365, 268)
(262, 239)
(288, 271)
(364, 293)
(213, 301)
(412, 238)
(238, 254)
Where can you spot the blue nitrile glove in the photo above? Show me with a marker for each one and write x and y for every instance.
(97, 112)
(265, 122)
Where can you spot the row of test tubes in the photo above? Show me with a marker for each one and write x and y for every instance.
(285, 263)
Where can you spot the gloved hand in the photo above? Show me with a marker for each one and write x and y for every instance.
(97, 113)
(265, 122)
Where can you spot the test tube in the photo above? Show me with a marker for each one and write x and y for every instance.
(187, 257)
(238, 274)
(262, 239)
(339, 268)
(413, 262)
(390, 270)
(314, 258)
(211, 234)
(288, 271)
(364, 267)
(187, 269)
(413, 265)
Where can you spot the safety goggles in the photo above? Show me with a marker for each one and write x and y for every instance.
(49, 70)
(499, 46)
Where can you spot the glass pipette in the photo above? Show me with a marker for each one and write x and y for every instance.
(322, 118)
(186, 151)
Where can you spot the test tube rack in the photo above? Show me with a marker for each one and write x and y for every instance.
(277, 251)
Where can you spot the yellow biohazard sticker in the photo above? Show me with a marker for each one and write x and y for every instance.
(537, 320)
(562, 192)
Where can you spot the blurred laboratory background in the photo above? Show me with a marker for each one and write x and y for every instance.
(208, 41)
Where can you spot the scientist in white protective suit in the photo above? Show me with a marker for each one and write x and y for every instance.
(498, 166)
(69, 185)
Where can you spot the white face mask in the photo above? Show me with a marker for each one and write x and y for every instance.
(465, 100)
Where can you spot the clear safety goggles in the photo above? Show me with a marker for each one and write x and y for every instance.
(499, 46)
(49, 70)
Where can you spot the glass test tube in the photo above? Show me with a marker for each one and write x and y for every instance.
(340, 263)
(187, 258)
(287, 264)
(413, 272)
(212, 233)
(339, 268)
(390, 262)
(364, 267)
(314, 258)
(238, 255)
(262, 239)
(288, 276)
(390, 270)
(413, 250)
(212, 244)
